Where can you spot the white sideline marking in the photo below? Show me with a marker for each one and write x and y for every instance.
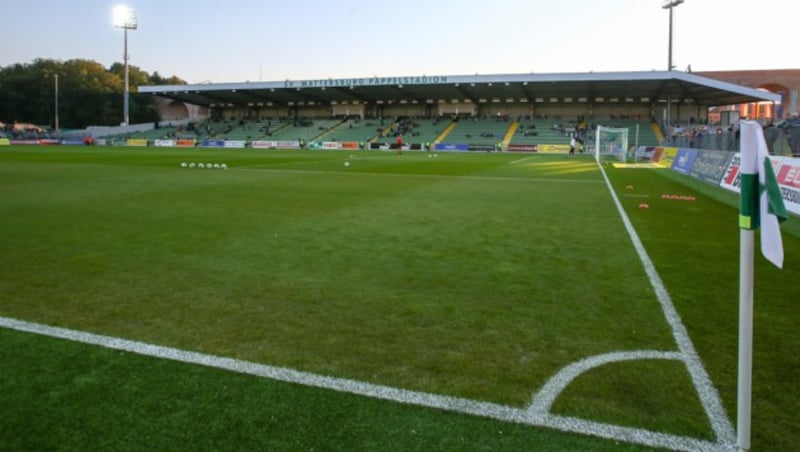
(705, 388)
(453, 404)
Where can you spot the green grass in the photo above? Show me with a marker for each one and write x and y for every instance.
(107, 400)
(475, 276)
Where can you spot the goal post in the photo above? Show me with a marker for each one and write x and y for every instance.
(611, 144)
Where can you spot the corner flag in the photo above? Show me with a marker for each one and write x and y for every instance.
(761, 200)
(761, 205)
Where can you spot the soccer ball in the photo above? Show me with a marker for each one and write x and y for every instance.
(346, 163)
(216, 166)
(200, 165)
(184, 165)
(191, 165)
(224, 166)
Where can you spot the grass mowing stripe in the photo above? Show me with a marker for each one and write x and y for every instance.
(705, 388)
(463, 406)
(422, 176)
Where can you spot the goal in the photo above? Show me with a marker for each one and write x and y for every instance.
(611, 144)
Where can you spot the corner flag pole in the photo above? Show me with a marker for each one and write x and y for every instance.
(761, 206)
(746, 241)
(748, 212)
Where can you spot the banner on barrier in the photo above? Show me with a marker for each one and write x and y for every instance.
(553, 148)
(350, 145)
(668, 156)
(684, 160)
(185, 143)
(49, 141)
(330, 145)
(262, 144)
(213, 143)
(5, 142)
(788, 176)
(451, 147)
(644, 153)
(73, 142)
(235, 144)
(787, 172)
(710, 166)
(136, 142)
(522, 147)
(164, 143)
(730, 179)
(481, 147)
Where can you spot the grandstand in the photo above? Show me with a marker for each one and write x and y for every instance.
(478, 131)
(353, 129)
(491, 110)
(305, 130)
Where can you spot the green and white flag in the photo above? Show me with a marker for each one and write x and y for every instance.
(761, 201)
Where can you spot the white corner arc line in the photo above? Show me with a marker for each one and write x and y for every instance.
(543, 400)
(709, 396)
(397, 395)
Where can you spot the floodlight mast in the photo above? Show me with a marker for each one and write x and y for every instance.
(125, 18)
(670, 5)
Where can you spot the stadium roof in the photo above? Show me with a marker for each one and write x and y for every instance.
(648, 87)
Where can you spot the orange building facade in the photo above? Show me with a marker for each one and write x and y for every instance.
(785, 82)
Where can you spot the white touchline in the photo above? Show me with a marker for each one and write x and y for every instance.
(709, 396)
(453, 404)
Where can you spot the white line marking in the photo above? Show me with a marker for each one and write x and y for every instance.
(255, 168)
(514, 162)
(705, 388)
(454, 404)
(544, 399)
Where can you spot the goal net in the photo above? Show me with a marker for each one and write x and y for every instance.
(611, 144)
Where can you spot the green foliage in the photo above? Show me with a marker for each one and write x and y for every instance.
(89, 94)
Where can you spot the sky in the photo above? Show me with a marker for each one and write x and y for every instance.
(215, 41)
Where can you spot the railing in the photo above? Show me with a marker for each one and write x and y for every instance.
(778, 140)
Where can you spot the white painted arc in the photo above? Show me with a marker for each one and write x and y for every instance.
(543, 400)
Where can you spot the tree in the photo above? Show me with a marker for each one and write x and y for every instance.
(89, 94)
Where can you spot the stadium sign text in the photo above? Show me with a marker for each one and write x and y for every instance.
(374, 81)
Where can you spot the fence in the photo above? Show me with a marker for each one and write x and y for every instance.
(781, 141)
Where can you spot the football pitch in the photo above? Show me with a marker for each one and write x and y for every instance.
(423, 301)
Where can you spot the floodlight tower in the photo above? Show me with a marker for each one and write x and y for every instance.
(125, 18)
(670, 5)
